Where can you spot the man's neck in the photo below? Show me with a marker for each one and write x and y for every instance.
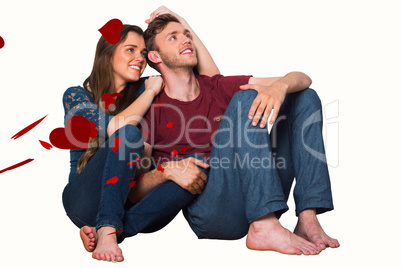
(181, 84)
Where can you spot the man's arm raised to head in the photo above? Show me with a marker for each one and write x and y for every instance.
(271, 93)
(206, 64)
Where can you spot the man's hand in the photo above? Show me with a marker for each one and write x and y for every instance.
(269, 98)
(160, 11)
(186, 174)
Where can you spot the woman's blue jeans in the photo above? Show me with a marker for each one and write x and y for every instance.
(89, 200)
(251, 172)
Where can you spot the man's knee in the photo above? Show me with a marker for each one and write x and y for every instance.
(244, 96)
(308, 98)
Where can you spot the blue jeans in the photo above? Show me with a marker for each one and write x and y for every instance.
(89, 200)
(251, 172)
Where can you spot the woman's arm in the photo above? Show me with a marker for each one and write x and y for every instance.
(206, 64)
(133, 114)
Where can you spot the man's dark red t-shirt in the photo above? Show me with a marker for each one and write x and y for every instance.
(176, 128)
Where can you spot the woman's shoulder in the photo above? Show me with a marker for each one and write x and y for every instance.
(76, 89)
(76, 93)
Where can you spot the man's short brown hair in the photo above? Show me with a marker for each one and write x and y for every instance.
(155, 27)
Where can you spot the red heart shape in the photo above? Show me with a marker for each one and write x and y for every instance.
(74, 136)
(184, 149)
(174, 152)
(1, 42)
(169, 125)
(110, 31)
(94, 131)
(109, 100)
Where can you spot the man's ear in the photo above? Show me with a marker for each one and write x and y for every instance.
(154, 57)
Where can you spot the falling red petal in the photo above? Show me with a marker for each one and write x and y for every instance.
(160, 168)
(116, 232)
(133, 163)
(16, 165)
(112, 180)
(28, 128)
(141, 177)
(116, 145)
(116, 94)
(46, 145)
(184, 149)
(132, 184)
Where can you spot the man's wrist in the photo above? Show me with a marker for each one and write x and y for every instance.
(282, 85)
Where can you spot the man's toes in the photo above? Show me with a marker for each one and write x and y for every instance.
(333, 243)
(321, 245)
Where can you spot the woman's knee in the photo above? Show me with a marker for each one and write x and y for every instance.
(128, 135)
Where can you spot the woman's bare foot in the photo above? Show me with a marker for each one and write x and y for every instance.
(106, 247)
(88, 237)
(267, 233)
(309, 228)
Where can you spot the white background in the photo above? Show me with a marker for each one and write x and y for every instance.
(351, 50)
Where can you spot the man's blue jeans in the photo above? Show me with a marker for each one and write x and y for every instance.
(89, 200)
(251, 172)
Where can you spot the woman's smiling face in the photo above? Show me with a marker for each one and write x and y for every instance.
(129, 60)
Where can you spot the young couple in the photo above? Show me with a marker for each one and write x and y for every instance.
(200, 120)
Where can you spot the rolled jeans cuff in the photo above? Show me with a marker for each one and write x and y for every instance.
(276, 207)
(321, 206)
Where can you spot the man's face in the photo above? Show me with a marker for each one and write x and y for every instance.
(176, 48)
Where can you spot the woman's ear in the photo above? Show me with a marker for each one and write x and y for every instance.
(154, 57)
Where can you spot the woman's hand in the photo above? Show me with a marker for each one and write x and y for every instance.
(269, 98)
(154, 84)
(162, 10)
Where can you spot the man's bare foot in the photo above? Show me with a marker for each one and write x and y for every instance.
(106, 247)
(88, 237)
(267, 233)
(309, 228)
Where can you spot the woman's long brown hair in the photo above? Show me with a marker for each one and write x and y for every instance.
(101, 81)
